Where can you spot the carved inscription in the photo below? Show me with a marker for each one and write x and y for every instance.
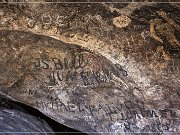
(87, 78)
(162, 120)
(75, 62)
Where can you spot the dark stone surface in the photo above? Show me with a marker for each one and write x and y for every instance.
(96, 67)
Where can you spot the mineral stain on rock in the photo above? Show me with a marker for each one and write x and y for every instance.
(103, 68)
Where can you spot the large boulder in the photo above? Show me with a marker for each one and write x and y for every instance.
(96, 67)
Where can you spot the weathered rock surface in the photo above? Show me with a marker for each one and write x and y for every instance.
(96, 67)
(15, 120)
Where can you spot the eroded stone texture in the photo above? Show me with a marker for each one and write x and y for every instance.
(63, 80)
(17, 122)
(96, 67)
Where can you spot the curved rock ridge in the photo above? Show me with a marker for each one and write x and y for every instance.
(72, 85)
(64, 81)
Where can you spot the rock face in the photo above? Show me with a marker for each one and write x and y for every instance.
(15, 119)
(95, 67)
(17, 122)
